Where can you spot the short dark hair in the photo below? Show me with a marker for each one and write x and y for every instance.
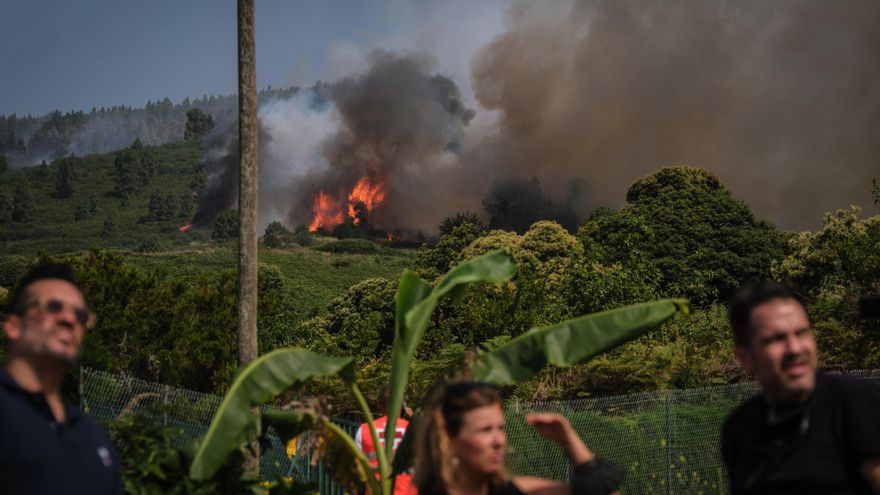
(46, 271)
(753, 294)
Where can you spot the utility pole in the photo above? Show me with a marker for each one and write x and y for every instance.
(247, 185)
(247, 197)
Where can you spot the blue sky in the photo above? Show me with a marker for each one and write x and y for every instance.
(73, 55)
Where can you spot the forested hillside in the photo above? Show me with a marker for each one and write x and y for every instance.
(30, 140)
(165, 298)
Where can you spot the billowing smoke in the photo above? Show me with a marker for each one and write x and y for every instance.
(394, 123)
(779, 99)
(221, 164)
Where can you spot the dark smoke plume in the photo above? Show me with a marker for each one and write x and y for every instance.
(779, 99)
(221, 164)
(516, 204)
(396, 122)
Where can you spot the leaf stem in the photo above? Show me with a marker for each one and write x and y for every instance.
(384, 473)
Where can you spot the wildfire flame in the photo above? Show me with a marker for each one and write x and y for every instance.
(368, 193)
(184, 228)
(328, 213)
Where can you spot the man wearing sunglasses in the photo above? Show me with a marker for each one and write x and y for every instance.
(46, 444)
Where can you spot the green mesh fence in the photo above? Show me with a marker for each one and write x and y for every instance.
(667, 442)
(108, 396)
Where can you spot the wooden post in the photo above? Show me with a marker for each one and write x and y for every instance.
(247, 197)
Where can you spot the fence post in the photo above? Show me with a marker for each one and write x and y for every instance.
(165, 405)
(668, 395)
(565, 412)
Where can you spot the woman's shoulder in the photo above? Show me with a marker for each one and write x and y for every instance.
(524, 485)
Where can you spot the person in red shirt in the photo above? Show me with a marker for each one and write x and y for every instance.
(364, 440)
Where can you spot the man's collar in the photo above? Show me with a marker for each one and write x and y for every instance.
(7, 381)
(71, 411)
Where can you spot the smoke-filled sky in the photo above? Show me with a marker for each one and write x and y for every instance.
(75, 55)
(780, 99)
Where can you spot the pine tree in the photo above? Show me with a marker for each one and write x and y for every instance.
(109, 226)
(226, 225)
(123, 174)
(5, 205)
(64, 178)
(23, 203)
(162, 206)
(187, 205)
(93, 205)
(198, 124)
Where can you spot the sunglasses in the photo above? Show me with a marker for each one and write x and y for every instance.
(54, 306)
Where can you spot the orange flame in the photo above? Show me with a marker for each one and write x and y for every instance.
(367, 192)
(184, 228)
(327, 212)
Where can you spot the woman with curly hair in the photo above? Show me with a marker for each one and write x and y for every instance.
(461, 444)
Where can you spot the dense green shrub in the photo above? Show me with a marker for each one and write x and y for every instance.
(225, 225)
(834, 267)
(12, 268)
(438, 260)
(5, 205)
(277, 235)
(154, 462)
(703, 242)
(354, 246)
(148, 245)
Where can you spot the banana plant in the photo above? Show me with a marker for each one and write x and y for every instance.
(563, 344)
(235, 422)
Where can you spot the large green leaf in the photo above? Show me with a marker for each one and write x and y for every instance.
(416, 301)
(234, 423)
(572, 341)
(288, 424)
(346, 462)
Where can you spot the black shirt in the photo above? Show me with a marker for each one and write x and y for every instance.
(38, 455)
(814, 448)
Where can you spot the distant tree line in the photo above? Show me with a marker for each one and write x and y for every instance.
(28, 140)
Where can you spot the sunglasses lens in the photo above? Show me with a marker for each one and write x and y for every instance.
(54, 306)
(82, 316)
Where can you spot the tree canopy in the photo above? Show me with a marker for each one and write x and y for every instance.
(702, 241)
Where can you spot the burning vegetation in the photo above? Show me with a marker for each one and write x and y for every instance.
(328, 212)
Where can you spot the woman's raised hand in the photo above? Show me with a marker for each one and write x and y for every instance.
(556, 427)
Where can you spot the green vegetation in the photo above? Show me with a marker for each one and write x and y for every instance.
(198, 124)
(681, 233)
(165, 299)
(563, 344)
(26, 140)
(43, 221)
(225, 225)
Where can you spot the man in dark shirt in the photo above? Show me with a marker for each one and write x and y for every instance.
(806, 433)
(47, 446)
